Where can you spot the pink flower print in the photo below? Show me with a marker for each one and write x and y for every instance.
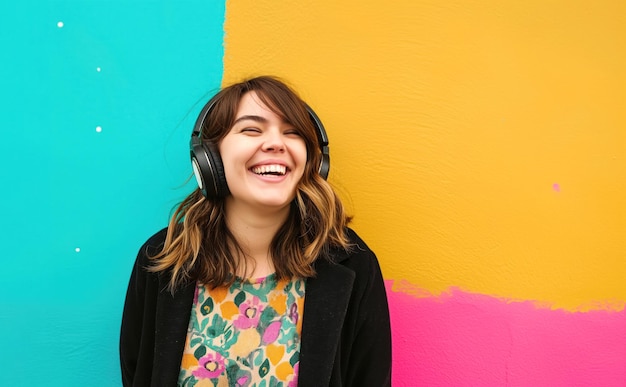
(210, 366)
(249, 314)
(271, 333)
(294, 379)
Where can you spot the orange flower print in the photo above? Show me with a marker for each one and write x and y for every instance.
(278, 301)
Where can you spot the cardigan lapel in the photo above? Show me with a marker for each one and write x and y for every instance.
(172, 321)
(325, 306)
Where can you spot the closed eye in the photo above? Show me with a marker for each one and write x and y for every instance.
(293, 132)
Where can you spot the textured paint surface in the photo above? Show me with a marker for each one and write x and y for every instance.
(450, 121)
(481, 147)
(93, 155)
(462, 339)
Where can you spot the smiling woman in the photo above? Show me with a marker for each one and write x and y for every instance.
(257, 280)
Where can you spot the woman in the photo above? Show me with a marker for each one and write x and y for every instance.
(257, 281)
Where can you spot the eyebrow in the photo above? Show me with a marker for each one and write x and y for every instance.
(252, 118)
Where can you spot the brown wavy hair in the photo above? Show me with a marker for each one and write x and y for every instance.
(199, 246)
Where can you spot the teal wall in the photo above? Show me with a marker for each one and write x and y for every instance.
(77, 203)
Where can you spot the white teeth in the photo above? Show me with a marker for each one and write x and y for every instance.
(272, 168)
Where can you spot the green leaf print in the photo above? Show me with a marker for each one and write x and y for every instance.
(201, 294)
(188, 382)
(267, 317)
(230, 338)
(233, 372)
(267, 286)
(257, 357)
(217, 327)
(289, 338)
(294, 359)
(203, 325)
(299, 285)
(207, 306)
(195, 341)
(265, 368)
(239, 298)
(199, 352)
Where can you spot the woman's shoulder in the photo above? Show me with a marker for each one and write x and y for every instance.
(354, 238)
(357, 252)
(152, 246)
(362, 261)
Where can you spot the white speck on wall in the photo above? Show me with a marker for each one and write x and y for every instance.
(77, 249)
(60, 24)
(98, 129)
(98, 69)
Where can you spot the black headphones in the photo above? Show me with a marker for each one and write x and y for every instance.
(207, 162)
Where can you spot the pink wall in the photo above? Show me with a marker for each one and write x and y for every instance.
(463, 339)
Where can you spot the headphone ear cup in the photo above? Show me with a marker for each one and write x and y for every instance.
(322, 139)
(219, 176)
(325, 165)
(208, 169)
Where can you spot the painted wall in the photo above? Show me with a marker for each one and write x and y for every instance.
(478, 144)
(93, 155)
(481, 147)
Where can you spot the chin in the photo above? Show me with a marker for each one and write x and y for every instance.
(277, 203)
(275, 200)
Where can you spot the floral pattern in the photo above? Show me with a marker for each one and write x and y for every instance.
(245, 335)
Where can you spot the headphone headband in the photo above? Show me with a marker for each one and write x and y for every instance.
(207, 162)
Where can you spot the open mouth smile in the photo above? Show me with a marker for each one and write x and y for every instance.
(270, 169)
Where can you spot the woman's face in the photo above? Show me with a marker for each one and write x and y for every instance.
(263, 156)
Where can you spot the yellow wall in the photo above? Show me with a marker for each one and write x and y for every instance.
(479, 144)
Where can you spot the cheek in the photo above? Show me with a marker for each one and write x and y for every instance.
(231, 161)
(233, 153)
(300, 154)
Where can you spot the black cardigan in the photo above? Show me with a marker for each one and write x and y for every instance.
(346, 337)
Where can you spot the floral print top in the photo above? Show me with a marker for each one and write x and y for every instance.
(247, 334)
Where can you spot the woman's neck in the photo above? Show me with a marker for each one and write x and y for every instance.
(254, 231)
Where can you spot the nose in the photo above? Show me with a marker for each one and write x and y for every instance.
(274, 142)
